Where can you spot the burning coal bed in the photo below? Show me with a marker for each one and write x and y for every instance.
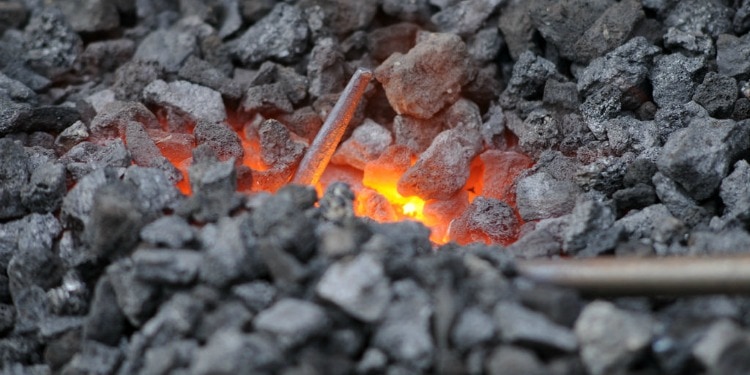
(172, 199)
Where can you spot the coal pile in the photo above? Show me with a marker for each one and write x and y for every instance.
(147, 225)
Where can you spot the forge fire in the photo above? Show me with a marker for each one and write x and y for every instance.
(374, 186)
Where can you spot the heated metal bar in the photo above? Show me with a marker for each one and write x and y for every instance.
(321, 150)
(644, 275)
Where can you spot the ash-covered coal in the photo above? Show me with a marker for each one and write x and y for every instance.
(147, 225)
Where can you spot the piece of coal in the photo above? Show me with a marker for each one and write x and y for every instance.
(34, 263)
(384, 41)
(716, 94)
(410, 91)
(327, 72)
(13, 116)
(304, 122)
(45, 190)
(689, 42)
(133, 76)
(501, 168)
(146, 154)
(512, 359)
(464, 17)
(91, 15)
(368, 141)
(634, 198)
(563, 23)
(672, 117)
(530, 72)
(14, 175)
(486, 220)
(194, 103)
(611, 337)
(71, 136)
(288, 206)
(278, 148)
(213, 185)
(167, 266)
(217, 136)
(172, 356)
(281, 35)
(586, 221)
(256, 295)
(626, 67)
(617, 23)
(230, 252)
(443, 169)
(136, 299)
(673, 78)
(16, 90)
(112, 120)
(154, 191)
(418, 10)
(105, 56)
(105, 322)
(550, 192)
(171, 231)
(292, 321)
(167, 47)
(700, 169)
(679, 203)
(203, 73)
(232, 351)
(87, 157)
(520, 325)
(344, 16)
(415, 133)
(51, 45)
(473, 327)
(697, 17)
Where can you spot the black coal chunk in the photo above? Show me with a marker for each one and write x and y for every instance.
(51, 45)
(45, 190)
(14, 174)
(171, 231)
(285, 219)
(13, 116)
(87, 157)
(220, 138)
(203, 73)
(145, 152)
(717, 94)
(167, 266)
(136, 299)
(213, 184)
(486, 220)
(230, 252)
(280, 35)
(34, 263)
(91, 15)
(105, 321)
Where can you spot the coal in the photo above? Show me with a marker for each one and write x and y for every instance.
(213, 185)
(513, 359)
(485, 220)
(520, 325)
(145, 153)
(167, 266)
(193, 103)
(473, 327)
(71, 136)
(230, 351)
(712, 19)
(51, 45)
(617, 23)
(548, 192)
(201, 72)
(45, 190)
(530, 72)
(465, 17)
(135, 298)
(15, 174)
(281, 35)
(366, 144)
(626, 66)
(357, 286)
(91, 15)
(327, 72)
(587, 219)
(220, 139)
(113, 118)
(562, 24)
(278, 148)
(384, 41)
(132, 77)
(105, 321)
(169, 231)
(293, 321)
(230, 254)
(673, 78)
(716, 94)
(344, 16)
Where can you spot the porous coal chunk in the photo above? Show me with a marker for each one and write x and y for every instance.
(292, 321)
(34, 263)
(610, 337)
(517, 28)
(442, 170)
(548, 192)
(327, 70)
(520, 325)
(345, 16)
(171, 231)
(230, 252)
(256, 295)
(634, 198)
(720, 338)
(716, 94)
(563, 23)
(700, 156)
(105, 321)
(13, 116)
(221, 139)
(358, 286)
(105, 56)
(538, 132)
(112, 119)
(171, 357)
(169, 48)
(673, 117)
(94, 357)
(87, 157)
(700, 17)
(464, 17)
(91, 15)
(679, 203)
(472, 327)
(599, 107)
(587, 220)
(732, 54)
(417, 134)
(410, 90)
(135, 298)
(278, 148)
(145, 152)
(46, 187)
(230, 351)
(133, 76)
(51, 46)
(610, 30)
(368, 141)
(267, 99)
(530, 72)
(485, 220)
(167, 266)
(213, 184)
(283, 219)
(201, 72)
(625, 67)
(195, 103)
(281, 35)
(510, 359)
(673, 78)
(16, 90)
(14, 175)
(154, 191)
(116, 219)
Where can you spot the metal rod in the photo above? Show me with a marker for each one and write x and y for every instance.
(321, 150)
(644, 275)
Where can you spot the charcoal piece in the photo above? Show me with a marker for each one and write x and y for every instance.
(563, 23)
(51, 46)
(269, 99)
(31, 304)
(626, 67)
(486, 220)
(89, 16)
(167, 266)
(599, 107)
(699, 157)
(473, 327)
(678, 202)
(45, 190)
(541, 196)
(13, 116)
(373, 361)
(368, 141)
(231, 315)
(177, 147)
(493, 128)
(517, 28)
(358, 286)
(113, 118)
(336, 204)
(207, 11)
(171, 357)
(290, 82)
(464, 17)
(611, 29)
(741, 109)
(410, 90)
(344, 16)
(404, 333)
(77, 204)
(698, 17)
(442, 170)
(41, 139)
(734, 194)
(732, 55)
(514, 360)
(105, 322)
(304, 122)
(418, 10)
(688, 42)
(213, 185)
(94, 357)
(610, 337)
(256, 295)
(530, 72)
(116, 219)
(384, 41)
(14, 174)
(587, 219)
(561, 305)
(634, 198)
(292, 321)
(741, 21)
(7, 317)
(133, 76)
(195, 103)
(146, 154)
(12, 15)
(154, 192)
(520, 325)
(415, 133)
(15, 89)
(230, 352)
(562, 94)
(200, 72)
(135, 298)
(170, 231)
(540, 131)
(169, 48)
(218, 137)
(485, 45)
(673, 78)
(327, 71)
(720, 338)
(278, 148)
(716, 94)
(627, 133)
(282, 217)
(501, 169)
(673, 117)
(105, 56)
(281, 35)
(230, 253)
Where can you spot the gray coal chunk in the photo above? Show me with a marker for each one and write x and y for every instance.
(51, 118)
(327, 70)
(76, 207)
(229, 252)
(717, 94)
(735, 192)
(599, 107)
(514, 360)
(473, 327)
(267, 99)
(733, 55)
(145, 153)
(14, 175)
(673, 78)
(169, 357)
(344, 16)
(282, 217)
(231, 352)
(87, 157)
(411, 90)
(358, 286)
(464, 17)
(105, 321)
(699, 156)
(12, 15)
(31, 308)
(17, 90)
(94, 357)
(561, 305)
(517, 28)
(677, 116)
(530, 73)
(170, 231)
(610, 30)
(562, 94)
(51, 46)
(634, 198)
(45, 190)
(133, 76)
(293, 84)
(7, 317)
(741, 22)
(116, 219)
(486, 220)
(384, 41)
(71, 136)
(34, 263)
(292, 321)
(373, 361)
(442, 170)
(281, 35)
(726, 242)
(700, 17)
(167, 266)
(135, 298)
(641, 224)
(197, 103)
(13, 116)
(91, 16)
(404, 333)
(418, 10)
(336, 205)
(519, 325)
(112, 119)
(105, 56)
(256, 295)
(154, 191)
(550, 191)
(485, 45)
(625, 67)
(544, 240)
(415, 133)
(611, 338)
(214, 185)
(201, 72)
(689, 42)
(721, 337)
(563, 23)
(367, 142)
(227, 316)
(679, 203)
(169, 48)
(277, 147)
(220, 138)
(588, 218)
(493, 127)
(540, 131)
